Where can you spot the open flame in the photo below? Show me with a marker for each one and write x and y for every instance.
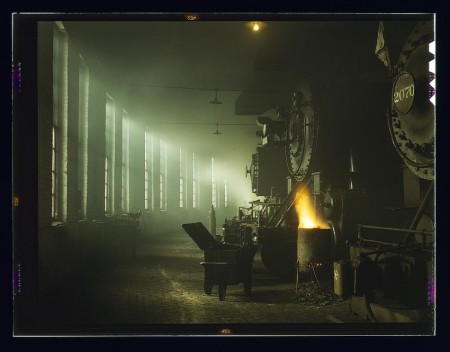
(308, 218)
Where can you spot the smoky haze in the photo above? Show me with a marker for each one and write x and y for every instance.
(165, 74)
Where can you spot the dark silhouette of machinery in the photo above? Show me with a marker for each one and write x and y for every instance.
(372, 182)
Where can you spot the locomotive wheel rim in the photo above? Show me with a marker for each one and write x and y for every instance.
(301, 132)
(413, 129)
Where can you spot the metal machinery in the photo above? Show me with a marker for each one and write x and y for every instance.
(373, 184)
(243, 229)
(322, 162)
(394, 266)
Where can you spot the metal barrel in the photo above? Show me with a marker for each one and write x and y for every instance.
(343, 278)
(313, 249)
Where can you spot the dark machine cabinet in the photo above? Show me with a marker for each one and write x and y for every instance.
(269, 171)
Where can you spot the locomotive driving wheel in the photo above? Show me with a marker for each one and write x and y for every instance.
(302, 129)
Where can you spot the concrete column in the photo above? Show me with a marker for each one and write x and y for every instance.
(136, 167)
(188, 180)
(156, 171)
(96, 147)
(118, 167)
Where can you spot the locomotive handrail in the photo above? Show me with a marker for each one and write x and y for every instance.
(394, 229)
(409, 232)
(398, 248)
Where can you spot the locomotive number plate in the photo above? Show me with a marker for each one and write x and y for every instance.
(403, 93)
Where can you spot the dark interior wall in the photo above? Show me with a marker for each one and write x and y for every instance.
(58, 246)
(24, 168)
(44, 121)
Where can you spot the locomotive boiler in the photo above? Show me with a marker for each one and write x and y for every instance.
(368, 184)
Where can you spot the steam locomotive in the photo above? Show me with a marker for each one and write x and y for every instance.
(359, 147)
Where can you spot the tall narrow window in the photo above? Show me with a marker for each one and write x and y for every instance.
(106, 185)
(83, 138)
(194, 182)
(182, 178)
(125, 163)
(60, 122)
(213, 185)
(110, 132)
(148, 172)
(225, 193)
(162, 176)
(54, 212)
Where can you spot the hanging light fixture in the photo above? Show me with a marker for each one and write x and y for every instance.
(217, 130)
(215, 101)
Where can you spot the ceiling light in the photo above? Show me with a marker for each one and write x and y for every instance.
(256, 26)
(191, 17)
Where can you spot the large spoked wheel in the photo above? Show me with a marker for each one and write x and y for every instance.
(222, 291)
(302, 132)
(412, 119)
(207, 287)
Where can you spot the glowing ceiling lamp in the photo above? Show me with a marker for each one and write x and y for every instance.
(256, 26)
(191, 17)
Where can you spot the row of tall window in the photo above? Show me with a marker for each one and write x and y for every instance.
(117, 151)
(149, 167)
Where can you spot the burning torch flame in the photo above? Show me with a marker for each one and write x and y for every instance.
(307, 216)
